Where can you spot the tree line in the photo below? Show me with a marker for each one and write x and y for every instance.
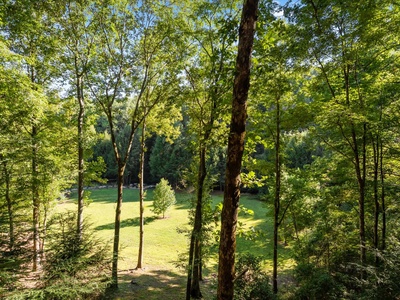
(136, 91)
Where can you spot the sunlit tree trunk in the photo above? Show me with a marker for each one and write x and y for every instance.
(81, 114)
(117, 225)
(141, 196)
(226, 268)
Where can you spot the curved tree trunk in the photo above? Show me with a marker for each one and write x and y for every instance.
(226, 268)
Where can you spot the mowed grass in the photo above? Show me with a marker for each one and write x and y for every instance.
(164, 245)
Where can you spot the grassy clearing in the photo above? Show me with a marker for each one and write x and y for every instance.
(163, 244)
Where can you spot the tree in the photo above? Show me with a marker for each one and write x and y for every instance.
(209, 88)
(163, 197)
(136, 69)
(76, 20)
(340, 46)
(226, 267)
(29, 31)
(161, 126)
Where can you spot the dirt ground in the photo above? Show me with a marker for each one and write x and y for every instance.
(152, 283)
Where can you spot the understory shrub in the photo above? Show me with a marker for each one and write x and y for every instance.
(74, 268)
(251, 282)
(316, 283)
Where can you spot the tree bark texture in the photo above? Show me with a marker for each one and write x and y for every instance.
(226, 268)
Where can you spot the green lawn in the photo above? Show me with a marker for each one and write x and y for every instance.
(164, 245)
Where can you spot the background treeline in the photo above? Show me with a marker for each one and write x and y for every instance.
(87, 87)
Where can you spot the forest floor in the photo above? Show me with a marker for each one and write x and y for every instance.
(151, 283)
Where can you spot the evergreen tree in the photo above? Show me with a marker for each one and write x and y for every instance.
(163, 197)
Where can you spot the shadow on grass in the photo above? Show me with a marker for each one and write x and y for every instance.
(127, 223)
(154, 284)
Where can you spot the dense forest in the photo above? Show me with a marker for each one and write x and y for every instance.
(142, 94)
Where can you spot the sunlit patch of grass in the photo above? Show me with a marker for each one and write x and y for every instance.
(163, 244)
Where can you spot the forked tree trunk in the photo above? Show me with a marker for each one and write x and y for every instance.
(226, 268)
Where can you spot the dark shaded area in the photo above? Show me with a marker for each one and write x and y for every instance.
(127, 223)
(154, 284)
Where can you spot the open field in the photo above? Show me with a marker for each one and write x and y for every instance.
(164, 244)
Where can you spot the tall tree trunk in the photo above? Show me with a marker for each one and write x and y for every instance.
(360, 167)
(10, 208)
(382, 176)
(190, 266)
(376, 159)
(117, 225)
(141, 195)
(35, 201)
(226, 268)
(277, 201)
(194, 283)
(81, 114)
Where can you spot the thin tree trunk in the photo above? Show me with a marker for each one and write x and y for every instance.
(44, 232)
(114, 269)
(226, 268)
(10, 208)
(81, 115)
(376, 158)
(35, 202)
(360, 169)
(190, 267)
(141, 196)
(277, 202)
(382, 175)
(197, 228)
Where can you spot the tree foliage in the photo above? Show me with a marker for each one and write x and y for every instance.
(163, 197)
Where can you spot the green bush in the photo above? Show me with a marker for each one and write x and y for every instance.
(74, 268)
(251, 282)
(163, 197)
(316, 283)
